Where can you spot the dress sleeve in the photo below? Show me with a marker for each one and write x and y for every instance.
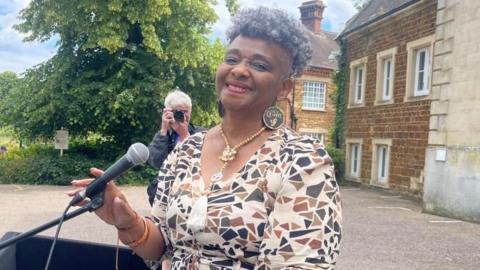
(166, 177)
(304, 227)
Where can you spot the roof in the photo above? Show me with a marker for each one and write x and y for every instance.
(323, 44)
(374, 11)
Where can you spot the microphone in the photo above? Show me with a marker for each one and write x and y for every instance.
(137, 154)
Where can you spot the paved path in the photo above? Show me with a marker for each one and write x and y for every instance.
(381, 231)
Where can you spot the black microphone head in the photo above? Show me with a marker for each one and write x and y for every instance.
(137, 153)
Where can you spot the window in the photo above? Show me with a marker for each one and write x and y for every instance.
(358, 85)
(353, 162)
(382, 165)
(358, 72)
(419, 68)
(318, 136)
(385, 76)
(314, 95)
(422, 72)
(387, 79)
(381, 161)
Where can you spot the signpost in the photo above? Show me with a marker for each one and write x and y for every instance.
(61, 140)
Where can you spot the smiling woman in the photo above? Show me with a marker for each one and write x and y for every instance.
(243, 195)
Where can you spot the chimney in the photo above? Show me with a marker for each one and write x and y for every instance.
(312, 15)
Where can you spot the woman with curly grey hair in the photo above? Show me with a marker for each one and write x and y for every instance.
(249, 193)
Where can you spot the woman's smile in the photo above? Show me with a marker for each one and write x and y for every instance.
(237, 87)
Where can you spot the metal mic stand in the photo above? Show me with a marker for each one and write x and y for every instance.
(94, 203)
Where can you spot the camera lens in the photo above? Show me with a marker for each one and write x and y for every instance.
(179, 116)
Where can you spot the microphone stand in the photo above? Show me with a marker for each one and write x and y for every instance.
(94, 203)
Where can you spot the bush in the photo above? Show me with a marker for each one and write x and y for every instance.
(41, 164)
(338, 160)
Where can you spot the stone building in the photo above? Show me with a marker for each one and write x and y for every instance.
(390, 45)
(452, 171)
(309, 110)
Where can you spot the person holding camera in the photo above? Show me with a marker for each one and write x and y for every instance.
(174, 128)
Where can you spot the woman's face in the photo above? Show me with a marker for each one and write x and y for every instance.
(254, 72)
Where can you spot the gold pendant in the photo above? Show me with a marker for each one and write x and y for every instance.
(228, 154)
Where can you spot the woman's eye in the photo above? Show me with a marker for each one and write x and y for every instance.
(230, 60)
(259, 66)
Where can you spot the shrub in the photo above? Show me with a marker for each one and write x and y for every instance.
(338, 160)
(41, 164)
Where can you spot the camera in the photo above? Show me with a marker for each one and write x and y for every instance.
(179, 116)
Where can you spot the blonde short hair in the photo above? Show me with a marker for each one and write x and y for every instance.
(177, 98)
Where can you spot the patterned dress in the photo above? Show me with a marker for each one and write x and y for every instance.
(281, 210)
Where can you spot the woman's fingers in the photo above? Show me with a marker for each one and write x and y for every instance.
(74, 192)
(96, 172)
(81, 182)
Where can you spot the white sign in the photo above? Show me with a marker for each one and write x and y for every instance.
(61, 139)
(441, 154)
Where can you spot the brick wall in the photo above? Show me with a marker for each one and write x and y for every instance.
(310, 120)
(406, 123)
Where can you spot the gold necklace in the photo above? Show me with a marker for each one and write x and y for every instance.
(198, 215)
(229, 153)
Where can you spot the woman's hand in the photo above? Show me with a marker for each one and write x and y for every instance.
(115, 210)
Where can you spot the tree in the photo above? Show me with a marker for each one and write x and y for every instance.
(8, 81)
(360, 4)
(116, 61)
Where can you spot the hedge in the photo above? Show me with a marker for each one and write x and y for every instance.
(42, 165)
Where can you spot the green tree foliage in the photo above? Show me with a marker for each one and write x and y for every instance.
(232, 6)
(116, 61)
(9, 88)
(338, 96)
(8, 81)
(360, 4)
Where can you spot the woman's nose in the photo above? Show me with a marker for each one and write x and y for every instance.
(240, 70)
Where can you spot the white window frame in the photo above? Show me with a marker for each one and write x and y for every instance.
(381, 163)
(317, 133)
(355, 149)
(358, 82)
(425, 44)
(387, 79)
(311, 86)
(425, 76)
(359, 85)
(351, 174)
(381, 97)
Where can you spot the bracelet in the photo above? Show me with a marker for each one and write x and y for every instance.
(142, 238)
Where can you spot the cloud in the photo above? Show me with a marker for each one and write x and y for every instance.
(16, 55)
(338, 12)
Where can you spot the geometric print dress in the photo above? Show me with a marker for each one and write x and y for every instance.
(281, 210)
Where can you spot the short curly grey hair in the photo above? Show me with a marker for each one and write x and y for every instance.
(277, 26)
(177, 98)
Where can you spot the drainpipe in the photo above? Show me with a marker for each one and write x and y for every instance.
(293, 117)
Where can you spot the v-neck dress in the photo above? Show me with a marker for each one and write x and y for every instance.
(281, 210)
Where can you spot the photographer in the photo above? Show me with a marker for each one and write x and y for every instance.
(174, 128)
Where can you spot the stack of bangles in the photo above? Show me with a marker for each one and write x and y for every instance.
(142, 239)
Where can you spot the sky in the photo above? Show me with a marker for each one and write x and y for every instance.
(17, 56)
